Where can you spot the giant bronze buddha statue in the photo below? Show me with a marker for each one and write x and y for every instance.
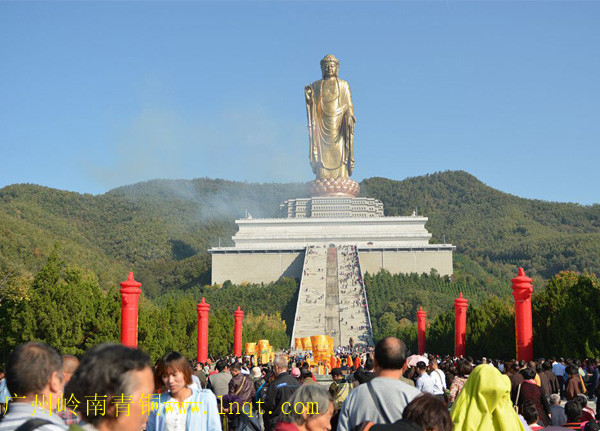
(331, 130)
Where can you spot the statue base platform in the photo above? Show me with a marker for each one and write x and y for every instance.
(267, 249)
(331, 207)
(343, 187)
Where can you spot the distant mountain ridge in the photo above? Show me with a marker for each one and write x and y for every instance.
(162, 228)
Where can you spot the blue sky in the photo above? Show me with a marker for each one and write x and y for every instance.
(94, 95)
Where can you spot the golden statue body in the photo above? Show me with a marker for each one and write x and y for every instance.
(330, 125)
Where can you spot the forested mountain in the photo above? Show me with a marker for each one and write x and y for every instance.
(497, 230)
(162, 228)
(56, 244)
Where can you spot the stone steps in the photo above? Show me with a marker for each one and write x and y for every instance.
(332, 299)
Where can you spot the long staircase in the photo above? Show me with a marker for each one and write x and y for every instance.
(355, 321)
(332, 298)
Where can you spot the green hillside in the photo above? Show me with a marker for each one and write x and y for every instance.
(162, 228)
(497, 230)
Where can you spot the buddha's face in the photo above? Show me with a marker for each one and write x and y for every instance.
(329, 69)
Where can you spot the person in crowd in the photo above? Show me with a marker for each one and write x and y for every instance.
(407, 374)
(463, 370)
(366, 374)
(344, 366)
(295, 372)
(529, 391)
(484, 403)
(541, 379)
(383, 399)
(337, 376)
(516, 378)
(241, 400)
(424, 382)
(587, 414)
(182, 407)
(557, 412)
(532, 365)
(122, 379)
(573, 383)
(595, 378)
(34, 378)
(4, 394)
(70, 364)
(306, 377)
(553, 385)
(439, 379)
(278, 392)
(257, 377)
(261, 392)
(583, 376)
(593, 425)
(559, 370)
(241, 385)
(219, 383)
(310, 408)
(531, 417)
(339, 390)
(429, 412)
(425, 412)
(573, 412)
(306, 367)
(200, 374)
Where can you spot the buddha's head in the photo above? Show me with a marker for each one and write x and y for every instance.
(329, 66)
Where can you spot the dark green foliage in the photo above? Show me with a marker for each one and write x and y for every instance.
(65, 307)
(496, 230)
(440, 334)
(490, 330)
(566, 316)
(402, 294)
(162, 229)
(395, 299)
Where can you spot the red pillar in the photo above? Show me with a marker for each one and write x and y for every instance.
(522, 288)
(421, 323)
(237, 334)
(203, 309)
(460, 326)
(130, 293)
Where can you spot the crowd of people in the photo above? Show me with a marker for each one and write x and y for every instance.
(354, 316)
(113, 387)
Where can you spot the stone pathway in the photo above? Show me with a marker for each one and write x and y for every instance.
(332, 298)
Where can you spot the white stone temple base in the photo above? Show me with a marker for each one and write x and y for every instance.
(267, 249)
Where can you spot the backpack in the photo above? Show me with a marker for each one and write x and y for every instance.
(341, 393)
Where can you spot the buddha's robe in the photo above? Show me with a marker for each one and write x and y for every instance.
(331, 127)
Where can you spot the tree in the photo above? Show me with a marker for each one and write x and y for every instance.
(566, 321)
(66, 309)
